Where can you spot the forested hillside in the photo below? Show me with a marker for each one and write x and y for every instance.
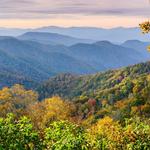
(129, 86)
(70, 86)
(108, 110)
(8, 79)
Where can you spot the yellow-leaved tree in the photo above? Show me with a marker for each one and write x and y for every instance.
(16, 99)
(49, 110)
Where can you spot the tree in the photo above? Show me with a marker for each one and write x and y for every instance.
(52, 109)
(145, 26)
(111, 135)
(63, 135)
(137, 134)
(18, 134)
(106, 134)
(16, 99)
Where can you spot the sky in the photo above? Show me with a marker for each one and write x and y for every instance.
(95, 13)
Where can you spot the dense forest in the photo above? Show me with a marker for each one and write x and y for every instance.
(105, 111)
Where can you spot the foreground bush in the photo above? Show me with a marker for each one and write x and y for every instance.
(18, 135)
(106, 134)
(65, 136)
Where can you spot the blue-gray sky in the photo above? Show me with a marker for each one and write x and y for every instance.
(101, 13)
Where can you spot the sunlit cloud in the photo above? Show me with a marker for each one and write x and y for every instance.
(73, 9)
(44, 8)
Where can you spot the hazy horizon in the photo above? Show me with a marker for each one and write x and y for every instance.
(55, 26)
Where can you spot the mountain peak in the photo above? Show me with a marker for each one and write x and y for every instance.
(39, 34)
(133, 41)
(103, 43)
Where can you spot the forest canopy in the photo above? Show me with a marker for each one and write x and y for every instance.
(105, 111)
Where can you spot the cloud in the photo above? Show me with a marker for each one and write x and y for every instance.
(33, 9)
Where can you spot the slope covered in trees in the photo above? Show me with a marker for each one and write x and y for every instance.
(108, 111)
(70, 86)
(118, 93)
(8, 78)
(63, 127)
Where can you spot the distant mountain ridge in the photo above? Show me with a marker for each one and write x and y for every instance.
(52, 38)
(37, 61)
(12, 31)
(139, 46)
(122, 34)
(104, 55)
(116, 35)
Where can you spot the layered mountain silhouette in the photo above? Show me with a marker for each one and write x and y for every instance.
(104, 55)
(35, 57)
(52, 38)
(37, 61)
(138, 46)
(116, 35)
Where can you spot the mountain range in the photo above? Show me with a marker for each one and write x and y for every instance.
(52, 38)
(116, 35)
(36, 56)
(138, 46)
(96, 34)
(37, 61)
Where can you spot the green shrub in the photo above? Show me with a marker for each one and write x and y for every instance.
(18, 135)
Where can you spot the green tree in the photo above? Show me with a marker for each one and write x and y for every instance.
(63, 135)
(18, 134)
(137, 134)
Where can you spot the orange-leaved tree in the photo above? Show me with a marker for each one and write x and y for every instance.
(145, 27)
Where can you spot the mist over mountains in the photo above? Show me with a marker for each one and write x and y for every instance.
(37, 55)
(52, 38)
(117, 35)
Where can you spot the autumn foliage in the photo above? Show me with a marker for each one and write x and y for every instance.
(58, 124)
